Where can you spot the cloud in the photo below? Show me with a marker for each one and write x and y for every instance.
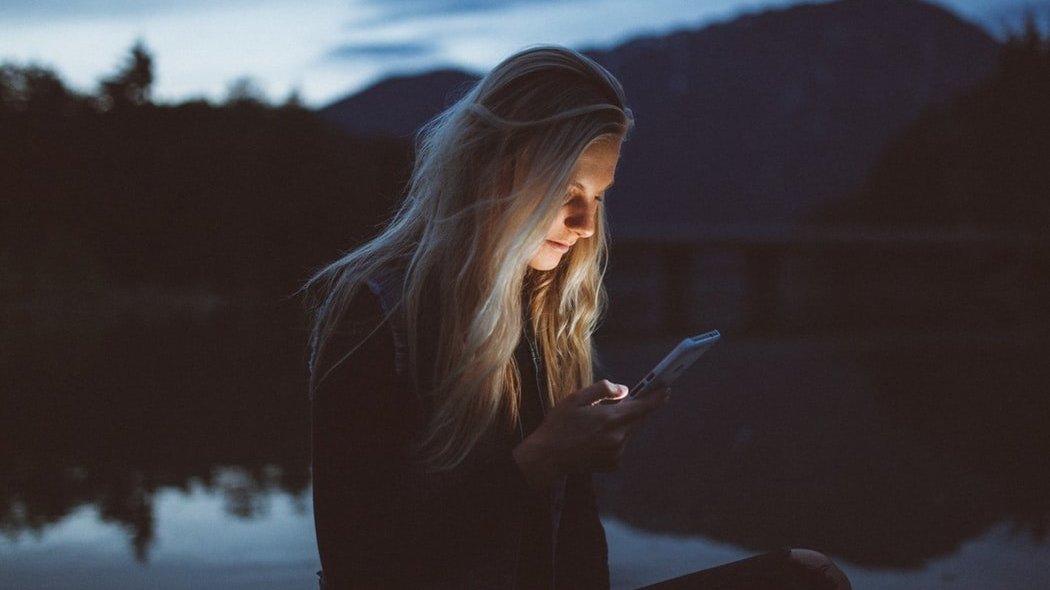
(380, 51)
(420, 7)
(83, 8)
(397, 11)
(74, 9)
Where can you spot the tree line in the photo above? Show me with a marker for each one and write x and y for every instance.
(111, 189)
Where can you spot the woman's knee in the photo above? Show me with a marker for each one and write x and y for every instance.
(818, 562)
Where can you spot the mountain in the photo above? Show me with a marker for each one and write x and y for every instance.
(978, 162)
(756, 121)
(396, 107)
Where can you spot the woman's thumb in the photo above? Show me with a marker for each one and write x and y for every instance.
(596, 392)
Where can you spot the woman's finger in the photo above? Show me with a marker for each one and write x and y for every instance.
(596, 392)
(635, 409)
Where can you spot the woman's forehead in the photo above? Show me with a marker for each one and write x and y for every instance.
(596, 167)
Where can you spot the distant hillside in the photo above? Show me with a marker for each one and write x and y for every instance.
(755, 121)
(396, 107)
(980, 161)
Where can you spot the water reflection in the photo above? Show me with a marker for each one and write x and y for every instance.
(884, 451)
(996, 559)
(198, 544)
(774, 442)
(106, 413)
(201, 545)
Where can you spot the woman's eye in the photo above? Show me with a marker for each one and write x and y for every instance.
(570, 196)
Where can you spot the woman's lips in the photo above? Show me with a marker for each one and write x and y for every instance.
(563, 248)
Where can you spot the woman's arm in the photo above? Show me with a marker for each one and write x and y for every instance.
(381, 521)
(362, 425)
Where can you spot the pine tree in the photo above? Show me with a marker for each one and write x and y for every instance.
(131, 86)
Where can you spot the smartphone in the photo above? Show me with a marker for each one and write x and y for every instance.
(674, 364)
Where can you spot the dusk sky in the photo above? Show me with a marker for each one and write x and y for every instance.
(328, 48)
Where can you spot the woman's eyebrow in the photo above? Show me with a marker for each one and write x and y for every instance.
(582, 188)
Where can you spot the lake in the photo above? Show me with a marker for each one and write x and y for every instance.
(171, 451)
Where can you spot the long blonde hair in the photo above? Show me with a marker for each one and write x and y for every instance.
(491, 173)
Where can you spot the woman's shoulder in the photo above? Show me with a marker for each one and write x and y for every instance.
(364, 312)
(374, 301)
(359, 347)
(387, 284)
(369, 326)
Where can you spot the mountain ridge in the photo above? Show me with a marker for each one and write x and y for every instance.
(756, 120)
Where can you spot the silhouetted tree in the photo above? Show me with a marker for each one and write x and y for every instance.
(245, 90)
(97, 193)
(1024, 49)
(35, 89)
(131, 86)
(294, 100)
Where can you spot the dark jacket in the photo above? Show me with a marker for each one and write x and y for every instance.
(384, 522)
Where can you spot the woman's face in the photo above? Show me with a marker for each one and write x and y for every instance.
(576, 219)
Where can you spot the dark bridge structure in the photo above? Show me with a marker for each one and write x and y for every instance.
(771, 279)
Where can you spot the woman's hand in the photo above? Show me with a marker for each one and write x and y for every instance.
(581, 434)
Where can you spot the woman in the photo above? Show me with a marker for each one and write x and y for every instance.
(455, 418)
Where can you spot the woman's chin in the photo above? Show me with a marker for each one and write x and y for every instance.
(544, 261)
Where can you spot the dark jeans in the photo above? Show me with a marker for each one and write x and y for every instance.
(787, 569)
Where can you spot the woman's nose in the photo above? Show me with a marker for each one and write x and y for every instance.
(582, 217)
